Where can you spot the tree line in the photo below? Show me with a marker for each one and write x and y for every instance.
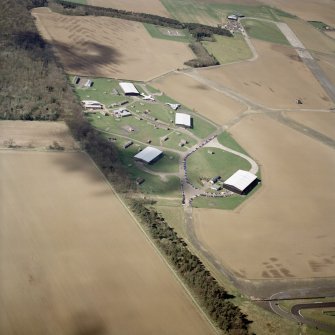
(213, 297)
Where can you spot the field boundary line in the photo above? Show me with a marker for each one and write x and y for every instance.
(159, 253)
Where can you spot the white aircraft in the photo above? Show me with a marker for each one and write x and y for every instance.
(147, 97)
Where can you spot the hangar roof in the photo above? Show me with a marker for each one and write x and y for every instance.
(183, 119)
(148, 154)
(241, 179)
(129, 88)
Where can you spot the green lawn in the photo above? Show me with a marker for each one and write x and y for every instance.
(101, 91)
(326, 315)
(162, 33)
(227, 140)
(191, 11)
(82, 2)
(201, 164)
(228, 49)
(201, 128)
(266, 31)
(319, 25)
(174, 139)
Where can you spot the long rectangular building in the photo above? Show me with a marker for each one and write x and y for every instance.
(149, 155)
(241, 182)
(129, 89)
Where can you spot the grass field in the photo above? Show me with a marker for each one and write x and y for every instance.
(265, 31)
(162, 33)
(202, 164)
(212, 13)
(228, 49)
(326, 315)
(227, 140)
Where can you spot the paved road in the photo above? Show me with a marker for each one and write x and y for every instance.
(295, 310)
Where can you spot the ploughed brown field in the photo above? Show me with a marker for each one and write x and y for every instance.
(109, 47)
(276, 79)
(285, 230)
(40, 134)
(73, 260)
(140, 6)
(212, 104)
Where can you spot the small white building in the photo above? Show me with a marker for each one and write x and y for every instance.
(183, 119)
(241, 182)
(122, 112)
(129, 89)
(92, 104)
(232, 17)
(89, 83)
(149, 155)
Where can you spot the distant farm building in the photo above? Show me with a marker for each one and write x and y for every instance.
(127, 144)
(149, 155)
(129, 89)
(241, 182)
(183, 119)
(76, 80)
(89, 83)
(232, 17)
(216, 187)
(92, 104)
(121, 113)
(173, 106)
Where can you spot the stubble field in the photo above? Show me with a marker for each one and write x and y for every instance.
(73, 261)
(141, 6)
(276, 79)
(285, 230)
(36, 134)
(210, 103)
(109, 47)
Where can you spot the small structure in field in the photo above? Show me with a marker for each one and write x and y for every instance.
(122, 112)
(241, 182)
(129, 89)
(232, 17)
(139, 180)
(216, 187)
(92, 104)
(76, 80)
(149, 155)
(215, 179)
(173, 106)
(182, 143)
(183, 120)
(89, 83)
(127, 144)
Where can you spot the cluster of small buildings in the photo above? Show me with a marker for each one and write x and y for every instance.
(241, 182)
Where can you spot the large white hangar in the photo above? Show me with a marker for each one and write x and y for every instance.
(149, 155)
(241, 182)
(184, 120)
(129, 89)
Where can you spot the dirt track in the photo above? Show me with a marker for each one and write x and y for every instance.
(72, 259)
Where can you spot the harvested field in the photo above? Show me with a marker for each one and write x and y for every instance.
(109, 47)
(214, 105)
(327, 64)
(311, 10)
(141, 6)
(312, 38)
(321, 122)
(286, 229)
(276, 79)
(73, 261)
(37, 134)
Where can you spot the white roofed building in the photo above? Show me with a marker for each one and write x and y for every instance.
(149, 155)
(129, 89)
(183, 119)
(92, 104)
(241, 182)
